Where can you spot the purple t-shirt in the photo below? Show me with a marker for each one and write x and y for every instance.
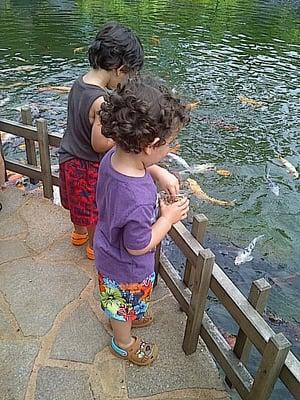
(127, 210)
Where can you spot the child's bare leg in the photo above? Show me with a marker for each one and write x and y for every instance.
(91, 231)
(122, 333)
(80, 229)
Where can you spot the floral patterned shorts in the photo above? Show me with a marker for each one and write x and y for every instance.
(125, 301)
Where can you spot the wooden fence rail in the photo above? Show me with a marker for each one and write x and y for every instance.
(201, 275)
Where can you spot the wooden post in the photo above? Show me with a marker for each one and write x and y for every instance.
(258, 298)
(271, 364)
(29, 144)
(200, 222)
(200, 287)
(42, 130)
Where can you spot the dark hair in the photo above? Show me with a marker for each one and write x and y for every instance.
(135, 114)
(116, 45)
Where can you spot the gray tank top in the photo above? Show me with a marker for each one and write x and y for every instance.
(76, 142)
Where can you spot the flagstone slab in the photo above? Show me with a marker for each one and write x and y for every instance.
(81, 337)
(11, 199)
(37, 290)
(5, 327)
(12, 250)
(47, 222)
(62, 384)
(16, 361)
(173, 370)
(63, 249)
(11, 226)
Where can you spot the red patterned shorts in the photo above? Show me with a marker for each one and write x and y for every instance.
(78, 180)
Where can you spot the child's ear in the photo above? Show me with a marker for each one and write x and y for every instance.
(119, 70)
(150, 146)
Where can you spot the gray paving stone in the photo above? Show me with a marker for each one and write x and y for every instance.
(43, 229)
(173, 369)
(38, 290)
(16, 361)
(81, 337)
(12, 225)
(12, 250)
(62, 384)
(160, 290)
(5, 328)
(11, 199)
(64, 250)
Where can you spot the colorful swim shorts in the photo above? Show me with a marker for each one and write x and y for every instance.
(78, 180)
(125, 301)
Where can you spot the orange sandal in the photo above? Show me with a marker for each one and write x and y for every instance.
(139, 353)
(90, 253)
(78, 239)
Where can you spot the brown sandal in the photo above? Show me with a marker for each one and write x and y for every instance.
(145, 321)
(139, 353)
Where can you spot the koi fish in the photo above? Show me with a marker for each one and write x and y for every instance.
(25, 68)
(192, 106)
(272, 185)
(154, 40)
(181, 161)
(290, 168)
(55, 89)
(78, 49)
(250, 102)
(244, 255)
(12, 85)
(200, 194)
(175, 149)
(201, 168)
(223, 172)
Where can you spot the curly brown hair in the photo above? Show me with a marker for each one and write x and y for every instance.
(140, 111)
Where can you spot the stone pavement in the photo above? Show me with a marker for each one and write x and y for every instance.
(54, 340)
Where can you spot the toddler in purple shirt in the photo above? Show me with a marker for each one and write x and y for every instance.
(143, 119)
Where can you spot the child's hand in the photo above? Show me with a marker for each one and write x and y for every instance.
(168, 182)
(176, 211)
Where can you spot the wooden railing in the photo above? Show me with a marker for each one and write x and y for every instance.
(35, 171)
(201, 275)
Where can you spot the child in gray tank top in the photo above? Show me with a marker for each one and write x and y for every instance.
(114, 54)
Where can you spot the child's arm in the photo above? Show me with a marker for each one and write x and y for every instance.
(170, 214)
(99, 142)
(165, 179)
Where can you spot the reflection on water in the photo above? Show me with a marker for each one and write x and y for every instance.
(215, 52)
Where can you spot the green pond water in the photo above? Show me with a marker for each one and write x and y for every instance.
(209, 51)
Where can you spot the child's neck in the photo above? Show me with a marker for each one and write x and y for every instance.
(98, 77)
(129, 164)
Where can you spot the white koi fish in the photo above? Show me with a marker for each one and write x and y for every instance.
(201, 168)
(244, 255)
(290, 168)
(181, 161)
(193, 169)
(272, 185)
